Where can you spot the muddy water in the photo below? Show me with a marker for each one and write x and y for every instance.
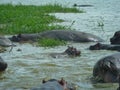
(29, 66)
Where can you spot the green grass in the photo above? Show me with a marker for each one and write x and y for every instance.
(30, 19)
(46, 42)
(15, 19)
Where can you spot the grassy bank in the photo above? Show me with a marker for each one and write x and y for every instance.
(46, 42)
(30, 19)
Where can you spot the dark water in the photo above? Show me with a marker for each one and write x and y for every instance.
(28, 67)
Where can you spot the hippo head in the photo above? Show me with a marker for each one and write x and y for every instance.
(106, 70)
(116, 38)
(54, 84)
(95, 47)
(16, 38)
(63, 83)
(71, 51)
(3, 65)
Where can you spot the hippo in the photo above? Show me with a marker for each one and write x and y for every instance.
(5, 42)
(116, 38)
(107, 69)
(3, 65)
(86, 5)
(100, 46)
(54, 84)
(66, 35)
(69, 52)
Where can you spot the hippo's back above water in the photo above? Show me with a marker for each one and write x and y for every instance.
(66, 35)
(71, 35)
(114, 59)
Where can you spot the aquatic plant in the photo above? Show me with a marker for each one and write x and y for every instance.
(101, 23)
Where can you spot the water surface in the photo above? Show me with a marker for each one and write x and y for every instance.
(28, 67)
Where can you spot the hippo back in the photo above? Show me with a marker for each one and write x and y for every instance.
(109, 64)
(32, 37)
(70, 35)
(66, 35)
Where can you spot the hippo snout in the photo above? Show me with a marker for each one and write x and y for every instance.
(95, 47)
(15, 38)
(3, 66)
(91, 47)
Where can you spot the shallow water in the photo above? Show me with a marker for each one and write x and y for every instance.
(28, 67)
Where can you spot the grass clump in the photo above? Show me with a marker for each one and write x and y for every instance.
(46, 42)
(15, 19)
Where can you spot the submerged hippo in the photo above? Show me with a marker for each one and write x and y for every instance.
(69, 52)
(54, 84)
(116, 38)
(107, 69)
(66, 35)
(5, 42)
(85, 5)
(100, 46)
(3, 65)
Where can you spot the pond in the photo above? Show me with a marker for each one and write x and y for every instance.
(27, 68)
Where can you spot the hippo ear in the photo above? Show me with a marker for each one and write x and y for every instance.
(98, 44)
(62, 82)
(70, 47)
(19, 35)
